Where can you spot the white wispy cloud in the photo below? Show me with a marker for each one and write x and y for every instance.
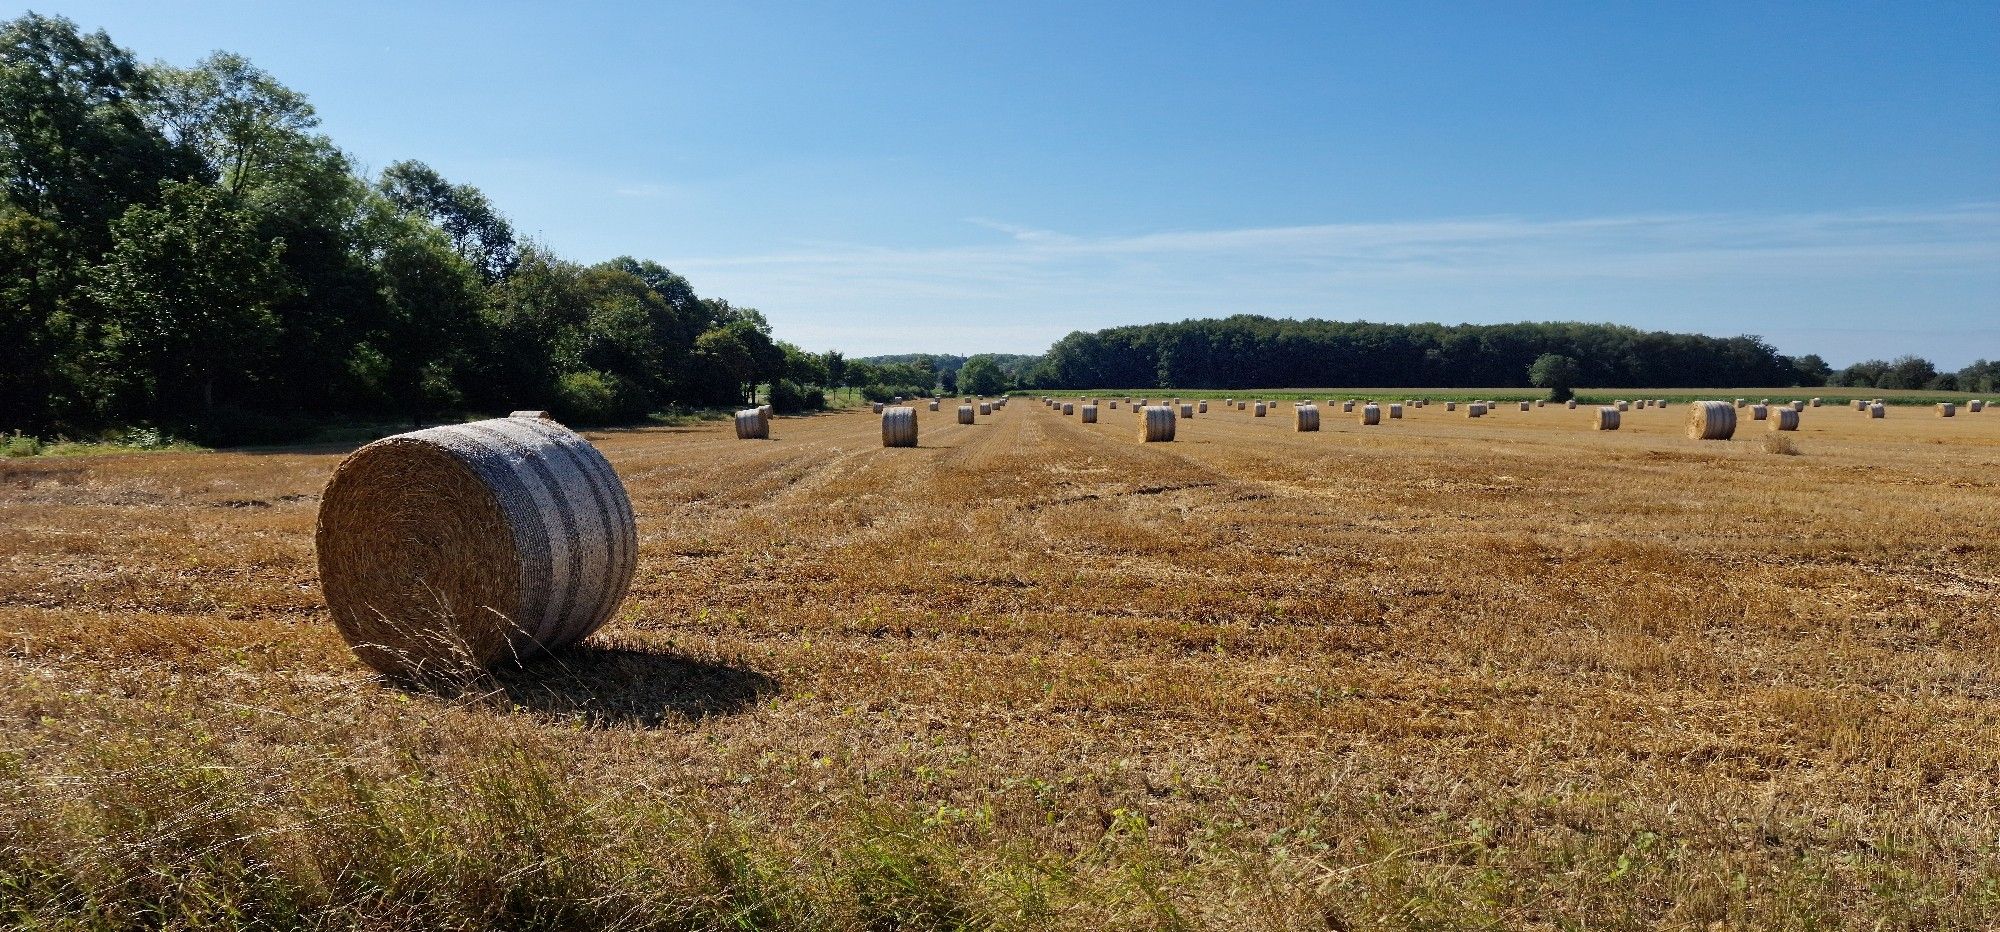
(1733, 272)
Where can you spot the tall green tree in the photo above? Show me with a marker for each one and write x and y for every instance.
(478, 231)
(1557, 373)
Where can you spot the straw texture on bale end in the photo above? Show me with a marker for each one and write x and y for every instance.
(965, 414)
(1088, 413)
(1371, 415)
(1711, 420)
(1607, 418)
(1305, 418)
(751, 424)
(462, 546)
(899, 427)
(1156, 424)
(1785, 419)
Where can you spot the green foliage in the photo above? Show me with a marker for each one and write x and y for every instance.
(1557, 373)
(981, 375)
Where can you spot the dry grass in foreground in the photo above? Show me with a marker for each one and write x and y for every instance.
(1441, 673)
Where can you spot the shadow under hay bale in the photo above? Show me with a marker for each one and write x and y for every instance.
(607, 686)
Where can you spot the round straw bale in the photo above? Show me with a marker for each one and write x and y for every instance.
(751, 424)
(1740, 402)
(1759, 412)
(1451, 406)
(1525, 406)
(1347, 407)
(934, 404)
(1785, 419)
(965, 414)
(1475, 409)
(1306, 418)
(1259, 410)
(1570, 404)
(1068, 408)
(875, 407)
(1607, 418)
(1395, 412)
(1976, 405)
(1371, 415)
(1947, 409)
(899, 427)
(1659, 402)
(985, 408)
(1797, 405)
(1201, 406)
(1187, 410)
(1860, 405)
(1114, 404)
(1711, 420)
(1157, 424)
(473, 543)
(1620, 405)
(1089, 414)
(1814, 402)
(539, 415)
(1878, 410)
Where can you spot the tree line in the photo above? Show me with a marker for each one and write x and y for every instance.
(181, 247)
(1247, 351)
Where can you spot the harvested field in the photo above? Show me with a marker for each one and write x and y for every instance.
(1437, 673)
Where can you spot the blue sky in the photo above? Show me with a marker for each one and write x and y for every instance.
(957, 177)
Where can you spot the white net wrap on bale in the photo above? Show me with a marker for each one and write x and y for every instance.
(899, 427)
(1976, 405)
(965, 414)
(1156, 424)
(539, 415)
(1711, 420)
(471, 544)
(934, 404)
(1370, 415)
(1260, 409)
(1068, 408)
(1088, 413)
(985, 408)
(1878, 410)
(1395, 412)
(1570, 404)
(1785, 419)
(1305, 418)
(1347, 407)
(751, 424)
(1607, 418)
(1475, 409)
(875, 407)
(1759, 412)
(1451, 406)
(1525, 406)
(1947, 409)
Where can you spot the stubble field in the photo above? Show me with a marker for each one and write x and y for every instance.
(1440, 673)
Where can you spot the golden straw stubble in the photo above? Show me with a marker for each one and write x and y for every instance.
(458, 547)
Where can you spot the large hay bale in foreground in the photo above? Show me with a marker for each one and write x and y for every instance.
(1785, 419)
(1711, 420)
(1088, 413)
(965, 414)
(1305, 418)
(458, 547)
(751, 424)
(1156, 424)
(1371, 415)
(1607, 418)
(899, 427)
